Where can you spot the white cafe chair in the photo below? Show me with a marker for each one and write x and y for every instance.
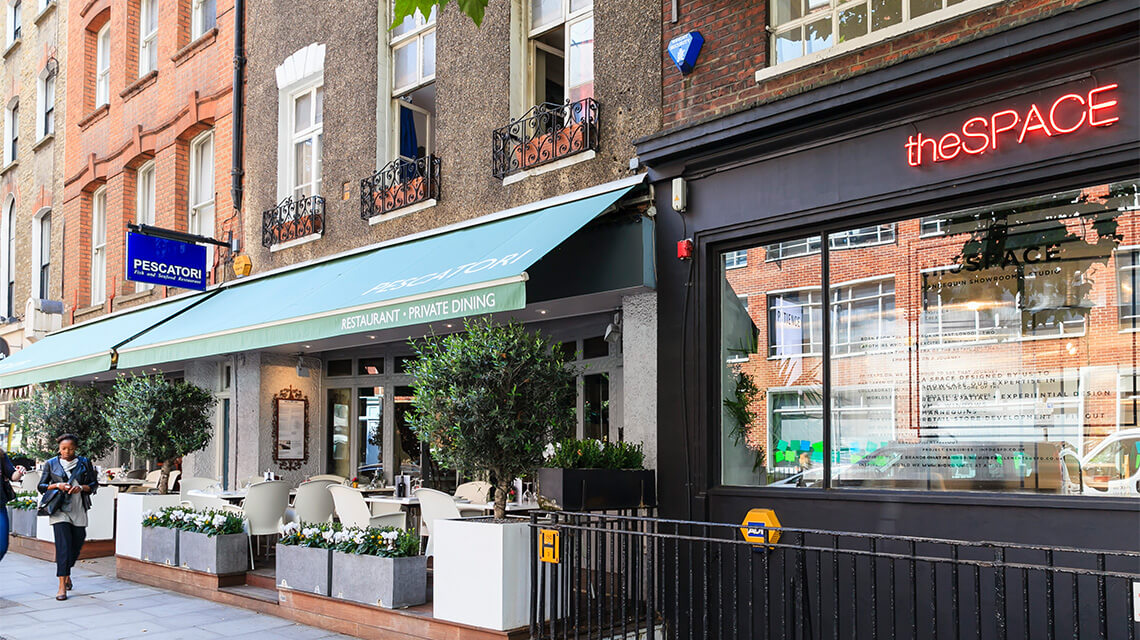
(196, 484)
(332, 477)
(353, 511)
(264, 510)
(313, 503)
(477, 491)
(436, 505)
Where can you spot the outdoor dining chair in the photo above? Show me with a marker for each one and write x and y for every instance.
(353, 511)
(135, 474)
(264, 510)
(477, 491)
(435, 505)
(313, 503)
(332, 477)
(195, 484)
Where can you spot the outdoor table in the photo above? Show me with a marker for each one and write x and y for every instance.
(233, 495)
(122, 482)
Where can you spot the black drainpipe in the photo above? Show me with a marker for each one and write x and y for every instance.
(237, 171)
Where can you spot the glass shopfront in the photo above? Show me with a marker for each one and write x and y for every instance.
(992, 349)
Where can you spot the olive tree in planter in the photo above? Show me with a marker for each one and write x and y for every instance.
(53, 410)
(488, 399)
(159, 419)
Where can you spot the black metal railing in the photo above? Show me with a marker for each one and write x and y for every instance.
(293, 219)
(636, 577)
(546, 133)
(399, 184)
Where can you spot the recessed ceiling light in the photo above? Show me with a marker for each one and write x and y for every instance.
(308, 346)
(542, 312)
(371, 337)
(448, 325)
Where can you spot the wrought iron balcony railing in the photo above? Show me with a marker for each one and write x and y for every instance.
(292, 220)
(399, 184)
(548, 132)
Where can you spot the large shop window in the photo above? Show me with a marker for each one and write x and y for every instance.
(982, 350)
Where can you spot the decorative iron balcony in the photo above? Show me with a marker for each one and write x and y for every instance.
(399, 184)
(292, 220)
(548, 132)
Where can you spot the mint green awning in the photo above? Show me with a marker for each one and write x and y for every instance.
(86, 348)
(470, 271)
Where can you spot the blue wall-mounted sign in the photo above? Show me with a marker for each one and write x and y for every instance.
(684, 50)
(166, 262)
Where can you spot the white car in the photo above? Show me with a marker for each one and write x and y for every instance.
(1113, 466)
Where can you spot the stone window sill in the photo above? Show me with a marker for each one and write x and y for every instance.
(43, 141)
(296, 242)
(552, 166)
(131, 297)
(94, 116)
(15, 44)
(8, 167)
(86, 311)
(48, 8)
(137, 86)
(187, 52)
(403, 211)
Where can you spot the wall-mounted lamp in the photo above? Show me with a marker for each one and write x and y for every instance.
(302, 370)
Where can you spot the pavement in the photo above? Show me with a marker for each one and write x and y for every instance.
(102, 607)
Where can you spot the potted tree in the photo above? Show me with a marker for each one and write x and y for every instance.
(594, 475)
(379, 567)
(61, 408)
(488, 400)
(158, 419)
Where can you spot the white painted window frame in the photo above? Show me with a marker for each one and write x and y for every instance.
(200, 217)
(314, 134)
(99, 246)
(148, 40)
(424, 28)
(11, 131)
(38, 257)
(103, 66)
(300, 72)
(199, 18)
(15, 21)
(568, 19)
(7, 256)
(145, 190)
(45, 104)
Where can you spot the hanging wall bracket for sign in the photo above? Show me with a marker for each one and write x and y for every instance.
(290, 428)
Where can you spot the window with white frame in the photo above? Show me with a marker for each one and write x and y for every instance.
(15, 20)
(736, 259)
(933, 226)
(561, 50)
(10, 259)
(103, 66)
(203, 17)
(412, 44)
(42, 5)
(1127, 280)
(144, 205)
(795, 323)
(148, 36)
(201, 215)
(862, 316)
(11, 132)
(308, 134)
(803, 27)
(848, 239)
(1128, 399)
(99, 246)
(42, 243)
(45, 101)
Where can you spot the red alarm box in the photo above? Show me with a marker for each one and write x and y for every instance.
(685, 249)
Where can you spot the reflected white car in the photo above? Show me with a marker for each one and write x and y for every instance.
(1113, 466)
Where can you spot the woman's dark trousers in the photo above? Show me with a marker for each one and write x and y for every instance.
(68, 543)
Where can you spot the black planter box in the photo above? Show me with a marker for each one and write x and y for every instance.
(598, 489)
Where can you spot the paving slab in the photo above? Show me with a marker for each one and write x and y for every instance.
(102, 607)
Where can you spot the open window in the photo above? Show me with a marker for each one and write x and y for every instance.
(561, 51)
(412, 44)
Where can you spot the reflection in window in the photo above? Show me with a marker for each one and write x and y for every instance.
(736, 259)
(340, 443)
(596, 406)
(370, 429)
(977, 350)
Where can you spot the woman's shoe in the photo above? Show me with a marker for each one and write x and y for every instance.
(69, 585)
(61, 597)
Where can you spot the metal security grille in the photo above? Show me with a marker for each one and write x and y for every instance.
(637, 577)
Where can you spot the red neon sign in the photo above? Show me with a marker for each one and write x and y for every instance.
(979, 134)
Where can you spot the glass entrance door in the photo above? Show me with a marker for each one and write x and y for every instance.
(339, 433)
(370, 430)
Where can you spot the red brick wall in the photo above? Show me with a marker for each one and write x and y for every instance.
(154, 119)
(736, 46)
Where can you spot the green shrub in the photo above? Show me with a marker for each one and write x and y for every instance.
(594, 454)
(54, 410)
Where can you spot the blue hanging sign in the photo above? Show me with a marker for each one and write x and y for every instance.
(166, 262)
(684, 50)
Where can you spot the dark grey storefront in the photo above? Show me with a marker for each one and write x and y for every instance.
(764, 184)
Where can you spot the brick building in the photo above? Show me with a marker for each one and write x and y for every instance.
(149, 124)
(978, 325)
(31, 186)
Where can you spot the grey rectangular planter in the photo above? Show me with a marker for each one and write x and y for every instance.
(392, 583)
(304, 569)
(219, 554)
(160, 545)
(598, 489)
(23, 522)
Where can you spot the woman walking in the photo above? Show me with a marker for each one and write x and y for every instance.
(9, 473)
(67, 483)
